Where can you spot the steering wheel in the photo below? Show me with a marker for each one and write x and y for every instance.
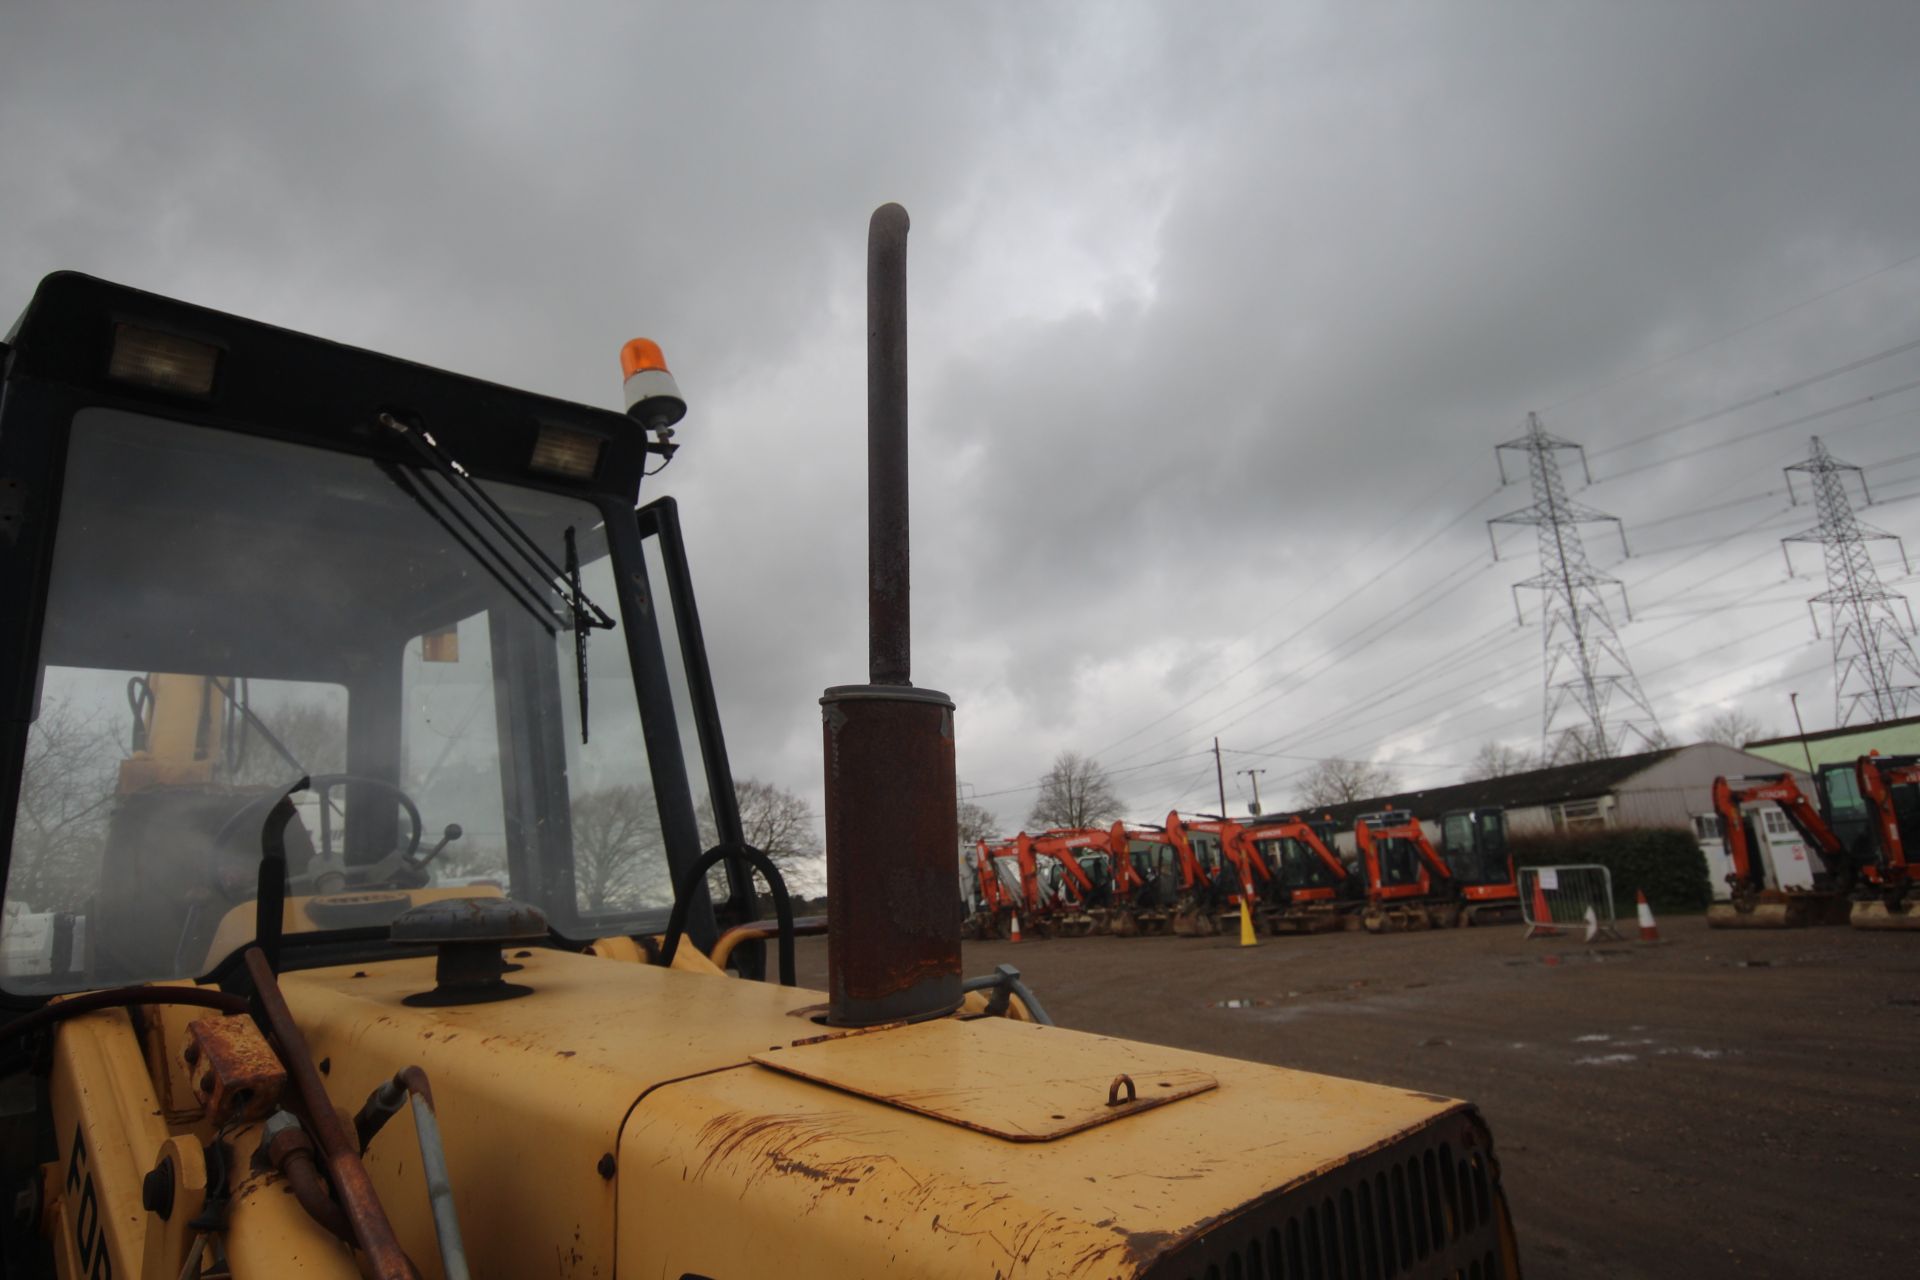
(323, 784)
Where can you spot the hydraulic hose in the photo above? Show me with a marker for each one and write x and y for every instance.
(776, 885)
(1005, 981)
(409, 1084)
(121, 998)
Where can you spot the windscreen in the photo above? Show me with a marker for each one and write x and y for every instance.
(227, 614)
(1295, 864)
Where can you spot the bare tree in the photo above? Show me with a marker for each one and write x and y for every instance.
(66, 799)
(777, 822)
(1498, 760)
(619, 861)
(1735, 728)
(977, 823)
(1075, 793)
(313, 732)
(1343, 781)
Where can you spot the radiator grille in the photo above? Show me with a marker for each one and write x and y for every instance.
(1426, 1206)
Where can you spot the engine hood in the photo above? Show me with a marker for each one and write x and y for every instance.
(703, 1126)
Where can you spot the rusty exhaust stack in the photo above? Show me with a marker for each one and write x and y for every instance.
(893, 894)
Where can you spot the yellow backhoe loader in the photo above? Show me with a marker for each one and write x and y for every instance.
(361, 771)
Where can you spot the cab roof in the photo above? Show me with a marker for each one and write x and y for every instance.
(280, 382)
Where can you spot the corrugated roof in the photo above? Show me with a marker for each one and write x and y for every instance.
(1822, 735)
(1587, 780)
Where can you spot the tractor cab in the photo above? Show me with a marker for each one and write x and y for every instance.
(401, 630)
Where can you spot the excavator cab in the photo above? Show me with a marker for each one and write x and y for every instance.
(1473, 844)
(1847, 812)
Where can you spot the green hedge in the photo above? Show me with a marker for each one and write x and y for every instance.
(1664, 861)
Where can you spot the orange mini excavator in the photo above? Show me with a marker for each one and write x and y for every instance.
(1408, 886)
(1759, 899)
(993, 897)
(1891, 787)
(1207, 878)
(1307, 888)
(1096, 875)
(1473, 844)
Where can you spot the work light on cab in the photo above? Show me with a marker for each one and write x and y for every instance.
(563, 451)
(164, 361)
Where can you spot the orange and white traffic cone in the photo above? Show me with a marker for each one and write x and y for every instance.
(1016, 928)
(1542, 913)
(1649, 931)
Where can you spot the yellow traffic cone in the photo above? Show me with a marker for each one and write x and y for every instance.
(1246, 925)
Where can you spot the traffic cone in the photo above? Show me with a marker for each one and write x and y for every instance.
(1016, 928)
(1649, 931)
(1246, 925)
(1542, 913)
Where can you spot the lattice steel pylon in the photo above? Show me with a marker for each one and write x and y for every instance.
(1594, 703)
(1875, 675)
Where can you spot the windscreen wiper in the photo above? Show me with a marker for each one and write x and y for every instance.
(578, 612)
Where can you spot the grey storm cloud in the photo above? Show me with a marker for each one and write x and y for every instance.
(1217, 314)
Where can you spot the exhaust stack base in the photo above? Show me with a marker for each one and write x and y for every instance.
(893, 931)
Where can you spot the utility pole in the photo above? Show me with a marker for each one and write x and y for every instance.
(1799, 724)
(1220, 776)
(1875, 673)
(1586, 663)
(1255, 775)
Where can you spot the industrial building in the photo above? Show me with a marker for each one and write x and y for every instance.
(1662, 788)
(1842, 746)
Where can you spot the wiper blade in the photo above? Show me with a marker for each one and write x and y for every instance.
(581, 615)
(585, 612)
(523, 593)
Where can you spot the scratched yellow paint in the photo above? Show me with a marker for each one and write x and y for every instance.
(814, 1180)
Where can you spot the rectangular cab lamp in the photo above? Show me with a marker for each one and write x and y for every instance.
(164, 361)
(562, 451)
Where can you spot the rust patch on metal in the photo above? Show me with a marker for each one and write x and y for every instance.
(236, 1074)
(893, 934)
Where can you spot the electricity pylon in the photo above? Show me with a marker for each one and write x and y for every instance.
(1594, 703)
(1875, 675)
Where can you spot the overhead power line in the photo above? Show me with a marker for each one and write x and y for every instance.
(1751, 325)
(1786, 390)
(1756, 433)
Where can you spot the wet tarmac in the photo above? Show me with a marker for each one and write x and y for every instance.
(1715, 1104)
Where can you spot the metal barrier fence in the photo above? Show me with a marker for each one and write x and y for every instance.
(1568, 901)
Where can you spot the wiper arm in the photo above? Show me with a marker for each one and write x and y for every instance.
(581, 615)
(524, 593)
(585, 612)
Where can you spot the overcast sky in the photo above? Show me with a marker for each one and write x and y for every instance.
(1217, 312)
